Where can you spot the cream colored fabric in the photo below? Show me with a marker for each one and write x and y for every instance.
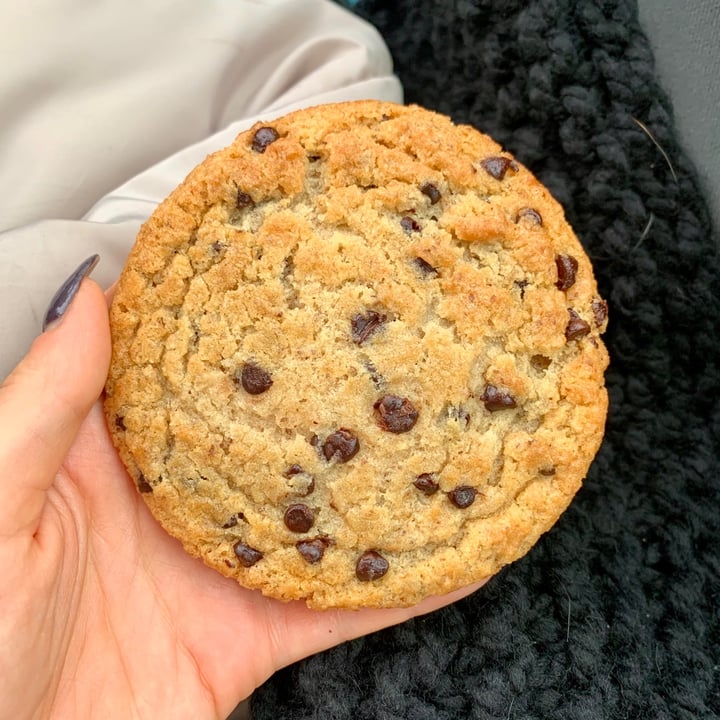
(106, 106)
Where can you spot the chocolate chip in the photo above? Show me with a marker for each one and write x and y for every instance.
(540, 362)
(120, 422)
(427, 483)
(254, 379)
(395, 414)
(498, 166)
(576, 327)
(530, 215)
(247, 555)
(263, 137)
(363, 326)
(567, 267)
(299, 518)
(431, 191)
(341, 445)
(600, 311)
(301, 482)
(243, 200)
(370, 566)
(313, 158)
(425, 267)
(496, 399)
(462, 496)
(410, 225)
(143, 485)
(312, 550)
(217, 247)
(547, 472)
(293, 472)
(233, 521)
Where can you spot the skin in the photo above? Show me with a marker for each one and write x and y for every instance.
(102, 614)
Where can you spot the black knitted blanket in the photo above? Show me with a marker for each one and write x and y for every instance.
(616, 612)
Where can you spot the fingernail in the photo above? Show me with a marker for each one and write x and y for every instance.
(64, 296)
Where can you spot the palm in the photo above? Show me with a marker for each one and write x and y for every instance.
(144, 627)
(135, 625)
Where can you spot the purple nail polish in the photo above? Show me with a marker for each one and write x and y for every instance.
(64, 296)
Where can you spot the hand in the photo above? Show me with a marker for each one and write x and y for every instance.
(102, 614)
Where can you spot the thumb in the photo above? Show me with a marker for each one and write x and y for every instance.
(45, 399)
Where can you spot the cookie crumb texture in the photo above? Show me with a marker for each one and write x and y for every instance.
(357, 358)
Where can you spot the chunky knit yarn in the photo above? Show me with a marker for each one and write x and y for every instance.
(616, 612)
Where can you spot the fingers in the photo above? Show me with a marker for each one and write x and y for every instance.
(296, 632)
(45, 399)
(110, 293)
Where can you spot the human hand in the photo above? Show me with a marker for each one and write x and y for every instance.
(102, 614)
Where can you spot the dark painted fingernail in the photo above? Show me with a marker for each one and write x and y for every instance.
(64, 296)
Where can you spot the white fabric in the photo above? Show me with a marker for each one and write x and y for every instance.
(95, 95)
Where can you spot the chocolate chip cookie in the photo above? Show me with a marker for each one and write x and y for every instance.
(357, 358)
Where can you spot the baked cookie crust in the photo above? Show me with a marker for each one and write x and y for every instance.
(357, 358)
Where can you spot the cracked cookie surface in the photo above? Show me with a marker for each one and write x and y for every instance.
(357, 358)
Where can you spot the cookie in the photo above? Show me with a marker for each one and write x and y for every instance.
(357, 358)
